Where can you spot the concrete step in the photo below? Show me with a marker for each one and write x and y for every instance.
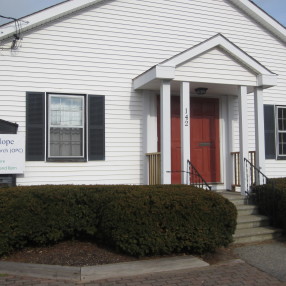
(243, 210)
(250, 221)
(251, 227)
(235, 198)
(256, 234)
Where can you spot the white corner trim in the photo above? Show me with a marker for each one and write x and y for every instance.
(267, 80)
(157, 72)
(262, 17)
(46, 16)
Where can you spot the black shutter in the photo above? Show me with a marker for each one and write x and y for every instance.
(96, 127)
(269, 128)
(35, 126)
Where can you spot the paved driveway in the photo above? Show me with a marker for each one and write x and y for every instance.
(232, 273)
(268, 257)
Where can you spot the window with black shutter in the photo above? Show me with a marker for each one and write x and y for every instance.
(35, 126)
(281, 132)
(275, 131)
(66, 127)
(66, 133)
(96, 130)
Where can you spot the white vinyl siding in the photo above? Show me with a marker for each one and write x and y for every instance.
(101, 49)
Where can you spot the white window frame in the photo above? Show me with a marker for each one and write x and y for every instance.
(83, 120)
(278, 156)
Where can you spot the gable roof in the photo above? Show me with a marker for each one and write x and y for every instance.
(167, 68)
(68, 7)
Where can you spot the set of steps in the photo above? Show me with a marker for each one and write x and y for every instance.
(251, 227)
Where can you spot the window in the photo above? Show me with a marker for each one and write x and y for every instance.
(65, 127)
(275, 131)
(281, 131)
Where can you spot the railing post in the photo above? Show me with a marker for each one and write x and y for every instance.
(249, 167)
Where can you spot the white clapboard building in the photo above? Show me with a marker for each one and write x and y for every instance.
(140, 91)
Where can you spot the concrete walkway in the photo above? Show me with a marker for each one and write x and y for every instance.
(98, 272)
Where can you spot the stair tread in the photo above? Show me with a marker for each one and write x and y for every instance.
(246, 207)
(250, 218)
(256, 231)
(251, 226)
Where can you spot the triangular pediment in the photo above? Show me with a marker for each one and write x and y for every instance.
(218, 42)
(216, 60)
(216, 66)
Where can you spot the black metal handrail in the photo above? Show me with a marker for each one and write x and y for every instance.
(253, 176)
(196, 178)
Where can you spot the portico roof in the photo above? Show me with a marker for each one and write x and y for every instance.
(243, 69)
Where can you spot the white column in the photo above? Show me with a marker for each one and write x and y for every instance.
(259, 129)
(243, 135)
(165, 108)
(149, 129)
(185, 129)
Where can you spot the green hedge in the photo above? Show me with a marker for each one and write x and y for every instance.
(138, 220)
(271, 200)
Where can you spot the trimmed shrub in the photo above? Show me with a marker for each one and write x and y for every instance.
(168, 220)
(138, 220)
(45, 214)
(271, 200)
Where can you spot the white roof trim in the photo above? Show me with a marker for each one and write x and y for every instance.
(157, 72)
(70, 6)
(47, 15)
(264, 76)
(262, 17)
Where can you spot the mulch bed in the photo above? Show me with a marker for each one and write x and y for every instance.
(81, 253)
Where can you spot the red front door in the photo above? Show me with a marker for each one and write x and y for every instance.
(205, 143)
(176, 140)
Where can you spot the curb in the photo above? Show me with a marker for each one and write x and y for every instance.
(99, 272)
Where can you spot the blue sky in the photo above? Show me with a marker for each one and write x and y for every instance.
(20, 8)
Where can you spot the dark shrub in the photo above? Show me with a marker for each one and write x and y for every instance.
(45, 214)
(271, 200)
(139, 220)
(168, 219)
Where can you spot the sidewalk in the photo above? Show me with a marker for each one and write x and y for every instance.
(232, 273)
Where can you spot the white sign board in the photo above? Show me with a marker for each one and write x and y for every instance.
(12, 153)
